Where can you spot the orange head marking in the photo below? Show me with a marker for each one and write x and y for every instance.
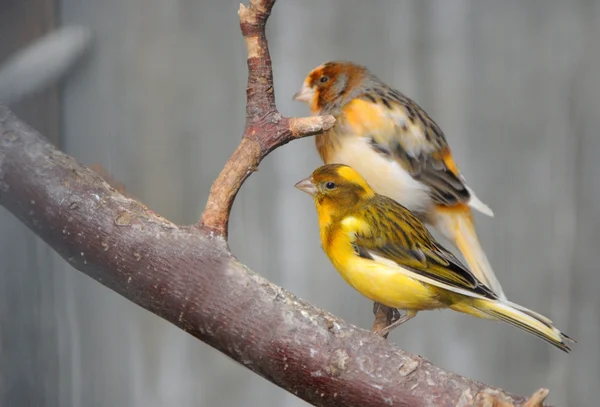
(331, 84)
(337, 187)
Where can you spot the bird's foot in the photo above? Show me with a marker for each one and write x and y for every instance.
(384, 316)
(384, 332)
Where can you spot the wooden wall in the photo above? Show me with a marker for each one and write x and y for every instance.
(160, 104)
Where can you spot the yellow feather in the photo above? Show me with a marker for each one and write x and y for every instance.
(349, 174)
(377, 280)
(364, 116)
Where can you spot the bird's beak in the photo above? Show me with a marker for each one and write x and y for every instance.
(306, 185)
(305, 94)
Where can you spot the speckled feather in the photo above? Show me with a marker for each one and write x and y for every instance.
(393, 232)
(403, 131)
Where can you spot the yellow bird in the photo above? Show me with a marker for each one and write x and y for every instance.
(386, 253)
(401, 152)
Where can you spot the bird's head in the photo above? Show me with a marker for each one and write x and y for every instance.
(336, 187)
(327, 86)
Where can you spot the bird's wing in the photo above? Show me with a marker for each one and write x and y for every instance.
(416, 142)
(386, 232)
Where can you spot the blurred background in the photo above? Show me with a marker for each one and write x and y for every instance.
(159, 99)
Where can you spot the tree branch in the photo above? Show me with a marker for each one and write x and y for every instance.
(266, 129)
(187, 275)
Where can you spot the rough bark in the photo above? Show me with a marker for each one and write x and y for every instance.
(186, 274)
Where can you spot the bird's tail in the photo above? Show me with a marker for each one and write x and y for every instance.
(457, 225)
(520, 317)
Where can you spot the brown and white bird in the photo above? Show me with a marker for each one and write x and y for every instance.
(400, 151)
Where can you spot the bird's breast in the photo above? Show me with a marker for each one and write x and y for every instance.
(386, 285)
(375, 280)
(386, 176)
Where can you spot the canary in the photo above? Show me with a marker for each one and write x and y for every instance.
(387, 254)
(400, 151)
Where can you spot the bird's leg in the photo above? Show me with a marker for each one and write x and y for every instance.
(384, 316)
(409, 314)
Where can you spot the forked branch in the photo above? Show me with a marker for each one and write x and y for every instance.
(266, 129)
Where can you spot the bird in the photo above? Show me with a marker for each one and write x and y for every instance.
(388, 255)
(394, 144)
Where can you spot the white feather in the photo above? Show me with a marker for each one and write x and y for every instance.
(385, 176)
(476, 203)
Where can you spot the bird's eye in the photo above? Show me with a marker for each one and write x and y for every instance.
(330, 185)
(324, 79)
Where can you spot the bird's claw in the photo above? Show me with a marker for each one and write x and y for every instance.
(398, 319)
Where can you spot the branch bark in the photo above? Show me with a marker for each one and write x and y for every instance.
(187, 275)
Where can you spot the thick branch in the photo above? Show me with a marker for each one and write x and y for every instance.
(192, 281)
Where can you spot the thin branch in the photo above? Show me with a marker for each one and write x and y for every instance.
(188, 277)
(266, 129)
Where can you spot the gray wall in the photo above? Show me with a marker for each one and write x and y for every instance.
(160, 103)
